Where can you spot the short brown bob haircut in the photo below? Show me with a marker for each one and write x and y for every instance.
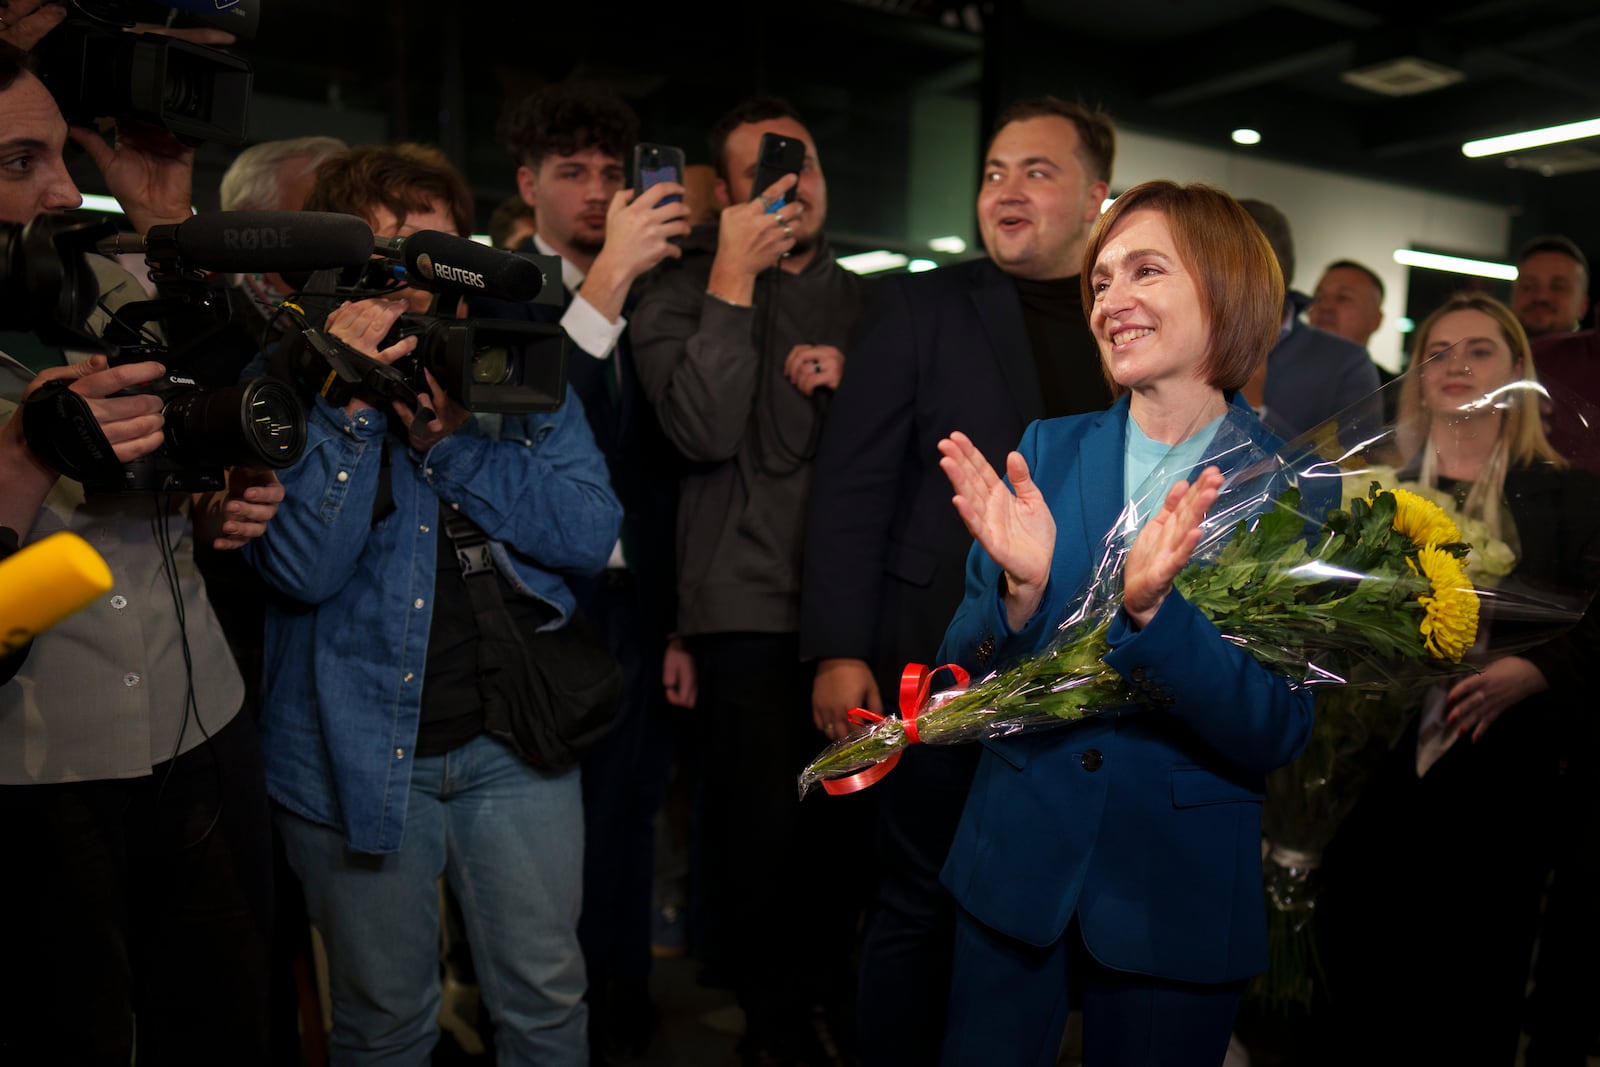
(403, 178)
(1241, 287)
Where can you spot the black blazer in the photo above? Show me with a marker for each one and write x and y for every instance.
(885, 550)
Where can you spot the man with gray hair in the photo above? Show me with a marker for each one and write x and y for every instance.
(275, 175)
(271, 176)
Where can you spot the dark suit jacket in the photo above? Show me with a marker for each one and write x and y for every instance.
(1154, 840)
(1569, 366)
(1313, 375)
(935, 352)
(643, 465)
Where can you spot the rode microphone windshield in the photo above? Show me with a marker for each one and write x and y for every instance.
(254, 242)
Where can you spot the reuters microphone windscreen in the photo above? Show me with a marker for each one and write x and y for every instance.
(44, 583)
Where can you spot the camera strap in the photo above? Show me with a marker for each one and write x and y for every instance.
(506, 683)
(62, 431)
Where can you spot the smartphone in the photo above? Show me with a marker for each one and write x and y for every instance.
(654, 163)
(777, 156)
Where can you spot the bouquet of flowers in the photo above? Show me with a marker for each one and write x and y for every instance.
(1353, 730)
(1357, 596)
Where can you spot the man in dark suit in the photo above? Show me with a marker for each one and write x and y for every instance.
(570, 143)
(1310, 374)
(984, 347)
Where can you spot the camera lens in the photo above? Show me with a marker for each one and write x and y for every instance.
(257, 423)
(185, 91)
(491, 366)
(274, 422)
(46, 286)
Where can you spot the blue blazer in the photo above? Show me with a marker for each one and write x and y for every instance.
(1144, 822)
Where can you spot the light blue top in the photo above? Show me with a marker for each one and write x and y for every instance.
(1176, 462)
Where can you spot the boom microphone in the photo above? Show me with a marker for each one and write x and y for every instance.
(254, 242)
(443, 262)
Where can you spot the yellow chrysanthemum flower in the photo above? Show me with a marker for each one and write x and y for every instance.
(1450, 620)
(1423, 521)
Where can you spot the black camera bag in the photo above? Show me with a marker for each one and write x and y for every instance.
(551, 695)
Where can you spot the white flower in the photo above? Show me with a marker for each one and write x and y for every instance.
(1490, 557)
(1357, 484)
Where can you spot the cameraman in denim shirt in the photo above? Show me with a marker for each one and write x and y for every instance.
(372, 718)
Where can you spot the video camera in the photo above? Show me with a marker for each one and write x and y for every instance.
(94, 68)
(498, 365)
(213, 421)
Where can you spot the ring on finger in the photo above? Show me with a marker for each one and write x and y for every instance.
(766, 202)
(786, 231)
(816, 366)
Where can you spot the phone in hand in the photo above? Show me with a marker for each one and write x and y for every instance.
(654, 163)
(778, 155)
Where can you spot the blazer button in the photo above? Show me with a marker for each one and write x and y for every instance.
(1092, 760)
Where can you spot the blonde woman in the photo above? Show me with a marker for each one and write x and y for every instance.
(1434, 882)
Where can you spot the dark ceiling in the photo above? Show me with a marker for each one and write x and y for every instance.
(1284, 68)
(1186, 69)
(1196, 70)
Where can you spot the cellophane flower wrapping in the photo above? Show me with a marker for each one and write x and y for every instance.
(1326, 561)
(1357, 723)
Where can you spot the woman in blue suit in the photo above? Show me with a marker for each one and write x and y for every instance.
(1115, 865)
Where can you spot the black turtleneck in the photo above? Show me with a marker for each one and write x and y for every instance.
(1064, 351)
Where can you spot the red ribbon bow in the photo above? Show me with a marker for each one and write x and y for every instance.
(916, 682)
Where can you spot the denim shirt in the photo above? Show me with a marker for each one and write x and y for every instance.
(346, 647)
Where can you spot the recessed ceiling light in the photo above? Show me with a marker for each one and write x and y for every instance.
(1245, 135)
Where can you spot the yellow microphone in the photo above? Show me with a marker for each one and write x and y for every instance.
(44, 583)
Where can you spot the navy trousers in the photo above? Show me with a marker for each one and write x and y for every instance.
(1009, 1003)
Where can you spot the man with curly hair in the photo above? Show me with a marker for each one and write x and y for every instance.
(569, 143)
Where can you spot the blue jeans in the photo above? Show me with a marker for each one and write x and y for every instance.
(510, 839)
